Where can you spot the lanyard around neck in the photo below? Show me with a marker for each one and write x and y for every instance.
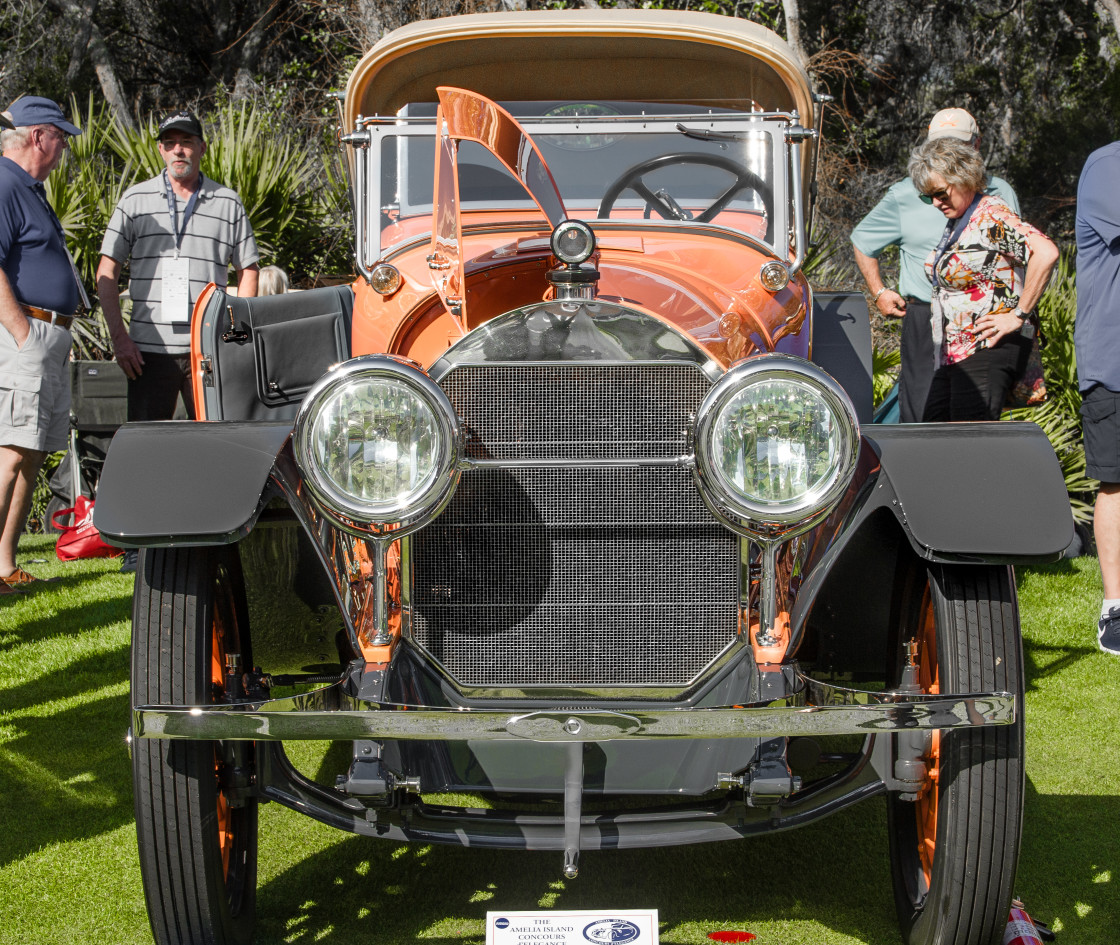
(173, 209)
(953, 231)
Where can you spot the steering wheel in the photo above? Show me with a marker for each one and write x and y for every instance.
(667, 207)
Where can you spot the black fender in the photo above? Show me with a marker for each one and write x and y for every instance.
(983, 491)
(980, 493)
(186, 482)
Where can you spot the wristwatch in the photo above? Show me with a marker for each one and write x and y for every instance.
(1027, 327)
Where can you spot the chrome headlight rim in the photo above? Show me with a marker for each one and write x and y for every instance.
(366, 518)
(584, 251)
(762, 519)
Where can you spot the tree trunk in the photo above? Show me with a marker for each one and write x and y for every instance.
(102, 61)
(81, 41)
(369, 22)
(107, 77)
(792, 12)
(249, 53)
(1109, 10)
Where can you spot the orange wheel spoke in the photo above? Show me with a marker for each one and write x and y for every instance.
(223, 623)
(925, 809)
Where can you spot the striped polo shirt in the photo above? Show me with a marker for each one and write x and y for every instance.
(217, 235)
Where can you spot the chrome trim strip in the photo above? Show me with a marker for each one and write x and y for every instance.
(687, 461)
(367, 245)
(578, 126)
(833, 711)
(794, 137)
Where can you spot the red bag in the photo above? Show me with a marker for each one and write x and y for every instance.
(81, 540)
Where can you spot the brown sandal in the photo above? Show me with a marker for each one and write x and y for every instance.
(6, 588)
(19, 578)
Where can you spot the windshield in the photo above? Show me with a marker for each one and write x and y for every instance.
(610, 160)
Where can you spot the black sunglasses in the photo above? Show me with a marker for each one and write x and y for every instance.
(942, 195)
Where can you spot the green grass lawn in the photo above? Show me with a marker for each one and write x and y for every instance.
(68, 868)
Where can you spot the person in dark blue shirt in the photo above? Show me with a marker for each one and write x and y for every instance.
(39, 294)
(1096, 337)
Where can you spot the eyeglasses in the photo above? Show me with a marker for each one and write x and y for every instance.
(942, 195)
(57, 135)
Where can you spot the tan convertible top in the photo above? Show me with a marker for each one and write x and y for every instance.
(629, 55)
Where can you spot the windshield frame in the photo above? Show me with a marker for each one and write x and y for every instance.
(715, 125)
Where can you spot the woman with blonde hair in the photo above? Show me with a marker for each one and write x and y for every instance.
(988, 273)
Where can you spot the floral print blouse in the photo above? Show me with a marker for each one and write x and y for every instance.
(982, 272)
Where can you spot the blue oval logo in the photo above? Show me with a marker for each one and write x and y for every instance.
(611, 932)
(501, 923)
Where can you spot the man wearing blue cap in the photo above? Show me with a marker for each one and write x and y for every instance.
(39, 293)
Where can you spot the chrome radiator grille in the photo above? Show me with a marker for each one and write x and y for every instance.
(576, 411)
(575, 575)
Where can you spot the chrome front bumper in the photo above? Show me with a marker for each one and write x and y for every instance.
(816, 709)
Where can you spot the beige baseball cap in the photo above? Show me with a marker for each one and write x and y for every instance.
(953, 123)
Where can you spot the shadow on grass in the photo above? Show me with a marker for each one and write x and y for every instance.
(1069, 865)
(87, 674)
(1041, 660)
(363, 891)
(66, 621)
(63, 776)
(366, 892)
(1063, 566)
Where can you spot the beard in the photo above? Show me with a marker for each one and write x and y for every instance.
(181, 170)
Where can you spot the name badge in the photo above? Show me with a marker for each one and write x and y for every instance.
(175, 279)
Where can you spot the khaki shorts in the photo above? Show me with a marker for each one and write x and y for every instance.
(35, 388)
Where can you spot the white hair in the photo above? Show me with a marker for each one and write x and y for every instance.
(272, 280)
(14, 139)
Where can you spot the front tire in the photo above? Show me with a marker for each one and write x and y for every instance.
(197, 838)
(954, 851)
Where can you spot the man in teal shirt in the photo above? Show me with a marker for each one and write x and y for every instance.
(901, 219)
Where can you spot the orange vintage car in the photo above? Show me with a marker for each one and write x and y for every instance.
(572, 498)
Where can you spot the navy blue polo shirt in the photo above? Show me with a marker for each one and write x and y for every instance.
(1096, 332)
(32, 245)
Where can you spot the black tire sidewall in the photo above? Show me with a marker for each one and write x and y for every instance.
(979, 820)
(174, 782)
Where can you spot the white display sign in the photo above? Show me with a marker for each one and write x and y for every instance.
(594, 926)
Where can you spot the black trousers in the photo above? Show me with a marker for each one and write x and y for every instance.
(977, 387)
(915, 373)
(164, 377)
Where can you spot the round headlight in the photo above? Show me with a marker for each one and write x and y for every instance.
(776, 445)
(379, 444)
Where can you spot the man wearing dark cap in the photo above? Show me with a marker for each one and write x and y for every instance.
(902, 219)
(178, 231)
(39, 293)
